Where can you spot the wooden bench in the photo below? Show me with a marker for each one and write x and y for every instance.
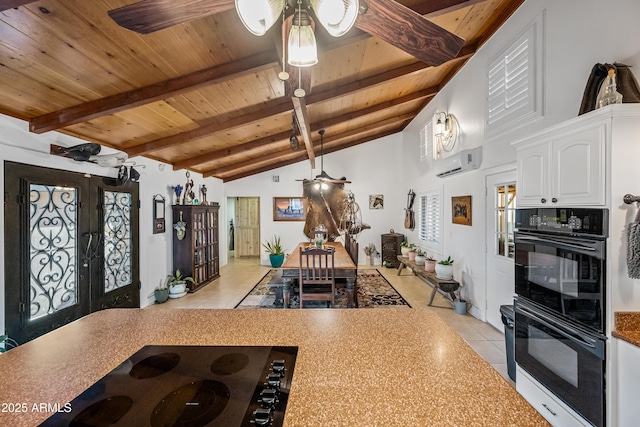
(445, 287)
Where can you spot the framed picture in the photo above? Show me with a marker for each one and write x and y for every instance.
(461, 210)
(376, 201)
(289, 208)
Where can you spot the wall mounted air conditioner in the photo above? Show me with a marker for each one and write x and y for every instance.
(461, 161)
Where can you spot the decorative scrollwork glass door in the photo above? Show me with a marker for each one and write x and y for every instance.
(53, 248)
(117, 240)
(71, 247)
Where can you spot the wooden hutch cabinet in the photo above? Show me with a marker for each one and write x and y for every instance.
(391, 248)
(197, 254)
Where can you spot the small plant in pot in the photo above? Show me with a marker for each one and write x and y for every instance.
(429, 264)
(444, 269)
(412, 252)
(178, 284)
(162, 291)
(420, 257)
(404, 248)
(275, 251)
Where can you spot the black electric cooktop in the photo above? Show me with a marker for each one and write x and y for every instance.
(188, 386)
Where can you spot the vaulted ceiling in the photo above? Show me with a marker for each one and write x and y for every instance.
(204, 94)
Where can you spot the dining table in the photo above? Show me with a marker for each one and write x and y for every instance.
(345, 271)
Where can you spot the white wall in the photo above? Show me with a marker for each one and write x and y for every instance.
(17, 144)
(373, 168)
(574, 40)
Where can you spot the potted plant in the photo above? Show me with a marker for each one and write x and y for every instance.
(162, 292)
(412, 252)
(429, 264)
(459, 304)
(420, 257)
(444, 269)
(404, 248)
(178, 284)
(275, 251)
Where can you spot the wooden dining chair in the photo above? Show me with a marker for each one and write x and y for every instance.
(317, 279)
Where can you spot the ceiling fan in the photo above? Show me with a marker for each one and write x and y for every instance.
(324, 176)
(387, 19)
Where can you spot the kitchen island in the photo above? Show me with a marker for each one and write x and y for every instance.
(386, 367)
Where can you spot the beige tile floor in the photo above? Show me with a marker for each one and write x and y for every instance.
(239, 276)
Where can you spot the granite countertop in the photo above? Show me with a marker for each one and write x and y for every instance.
(627, 326)
(387, 367)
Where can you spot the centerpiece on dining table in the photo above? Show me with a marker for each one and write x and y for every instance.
(320, 236)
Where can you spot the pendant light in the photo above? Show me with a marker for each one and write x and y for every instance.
(336, 16)
(302, 48)
(259, 15)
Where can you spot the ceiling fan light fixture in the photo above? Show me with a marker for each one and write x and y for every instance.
(336, 16)
(302, 47)
(259, 15)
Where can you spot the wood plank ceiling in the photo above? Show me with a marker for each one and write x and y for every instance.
(205, 95)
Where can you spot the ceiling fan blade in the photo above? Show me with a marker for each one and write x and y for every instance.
(408, 30)
(147, 16)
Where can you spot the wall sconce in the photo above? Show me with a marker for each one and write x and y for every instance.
(158, 214)
(445, 133)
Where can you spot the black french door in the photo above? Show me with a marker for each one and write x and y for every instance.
(71, 247)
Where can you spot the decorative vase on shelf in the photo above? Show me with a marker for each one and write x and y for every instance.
(404, 250)
(430, 265)
(419, 259)
(412, 255)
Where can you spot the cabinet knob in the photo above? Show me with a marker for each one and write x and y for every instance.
(554, 200)
(543, 200)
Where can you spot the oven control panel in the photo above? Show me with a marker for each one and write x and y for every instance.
(592, 222)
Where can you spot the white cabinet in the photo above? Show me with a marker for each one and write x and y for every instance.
(563, 169)
(627, 362)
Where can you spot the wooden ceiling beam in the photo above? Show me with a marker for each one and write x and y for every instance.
(302, 117)
(158, 91)
(231, 151)
(12, 4)
(298, 159)
(280, 106)
(331, 144)
(260, 143)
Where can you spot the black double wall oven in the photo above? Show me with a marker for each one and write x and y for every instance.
(560, 281)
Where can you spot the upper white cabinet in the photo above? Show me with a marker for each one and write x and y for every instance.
(566, 168)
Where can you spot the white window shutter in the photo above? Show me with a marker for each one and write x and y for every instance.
(514, 87)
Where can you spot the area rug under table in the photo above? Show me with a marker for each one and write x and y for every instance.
(373, 292)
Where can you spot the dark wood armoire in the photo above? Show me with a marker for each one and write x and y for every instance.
(197, 254)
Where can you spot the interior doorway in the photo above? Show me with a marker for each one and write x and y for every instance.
(501, 208)
(244, 227)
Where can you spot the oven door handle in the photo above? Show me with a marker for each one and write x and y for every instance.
(580, 340)
(556, 242)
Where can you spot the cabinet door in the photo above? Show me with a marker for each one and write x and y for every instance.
(534, 187)
(578, 167)
(628, 375)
